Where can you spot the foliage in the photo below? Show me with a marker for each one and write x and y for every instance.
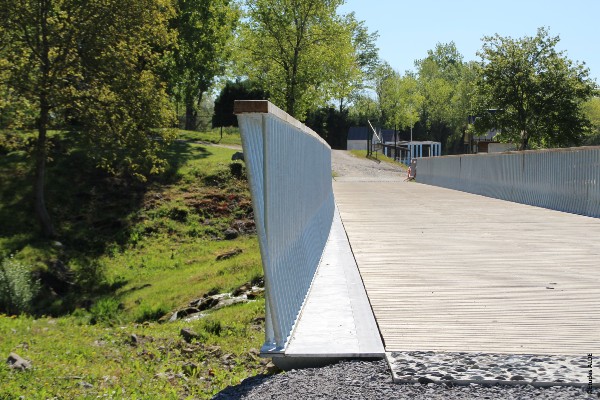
(18, 287)
(154, 246)
(224, 135)
(400, 101)
(591, 108)
(356, 65)
(72, 359)
(238, 90)
(446, 83)
(205, 28)
(364, 108)
(92, 65)
(536, 89)
(302, 51)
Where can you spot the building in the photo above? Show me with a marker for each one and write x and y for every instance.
(359, 135)
(391, 145)
(487, 143)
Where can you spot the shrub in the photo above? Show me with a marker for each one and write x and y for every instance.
(106, 311)
(18, 288)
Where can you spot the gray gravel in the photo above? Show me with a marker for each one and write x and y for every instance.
(372, 380)
(347, 167)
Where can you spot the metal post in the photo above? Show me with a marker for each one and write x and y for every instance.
(395, 144)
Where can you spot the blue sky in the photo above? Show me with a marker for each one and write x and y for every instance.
(408, 29)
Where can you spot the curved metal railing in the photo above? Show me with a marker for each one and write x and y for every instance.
(289, 171)
(558, 179)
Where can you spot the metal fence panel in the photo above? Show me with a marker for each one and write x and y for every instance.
(289, 170)
(559, 179)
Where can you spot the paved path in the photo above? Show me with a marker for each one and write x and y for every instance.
(451, 271)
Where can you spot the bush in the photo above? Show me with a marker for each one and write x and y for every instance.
(106, 311)
(17, 287)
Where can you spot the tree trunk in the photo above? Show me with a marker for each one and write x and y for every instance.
(524, 140)
(190, 115)
(39, 186)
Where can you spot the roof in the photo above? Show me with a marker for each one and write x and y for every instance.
(362, 133)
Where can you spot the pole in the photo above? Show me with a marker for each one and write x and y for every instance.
(395, 143)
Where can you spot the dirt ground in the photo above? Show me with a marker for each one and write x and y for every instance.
(348, 167)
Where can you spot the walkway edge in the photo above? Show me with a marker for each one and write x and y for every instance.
(337, 321)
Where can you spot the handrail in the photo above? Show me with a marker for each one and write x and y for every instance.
(566, 179)
(289, 171)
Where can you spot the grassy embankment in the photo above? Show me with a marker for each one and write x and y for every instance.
(380, 157)
(130, 253)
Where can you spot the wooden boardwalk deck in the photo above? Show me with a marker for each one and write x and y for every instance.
(451, 271)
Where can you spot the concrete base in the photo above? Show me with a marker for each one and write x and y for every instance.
(336, 322)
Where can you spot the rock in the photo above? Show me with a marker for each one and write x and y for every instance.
(135, 340)
(227, 359)
(272, 368)
(241, 290)
(189, 335)
(214, 350)
(17, 362)
(517, 378)
(447, 378)
(209, 302)
(189, 368)
(231, 234)
(254, 351)
(424, 381)
(229, 254)
(86, 385)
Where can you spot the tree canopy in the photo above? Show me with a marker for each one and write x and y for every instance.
(91, 64)
(205, 30)
(537, 91)
(303, 52)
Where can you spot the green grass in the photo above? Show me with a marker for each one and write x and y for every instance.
(73, 359)
(380, 157)
(135, 252)
(231, 136)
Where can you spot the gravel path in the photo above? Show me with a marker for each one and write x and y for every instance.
(347, 167)
(372, 380)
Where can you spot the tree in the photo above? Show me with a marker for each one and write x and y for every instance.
(446, 84)
(536, 89)
(363, 108)
(359, 64)
(205, 29)
(381, 75)
(401, 101)
(298, 49)
(238, 90)
(591, 108)
(96, 62)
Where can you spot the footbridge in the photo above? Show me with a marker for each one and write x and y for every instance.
(486, 269)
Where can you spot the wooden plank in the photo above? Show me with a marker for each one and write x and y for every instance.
(451, 271)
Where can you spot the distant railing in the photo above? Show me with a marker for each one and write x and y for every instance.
(559, 179)
(289, 170)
